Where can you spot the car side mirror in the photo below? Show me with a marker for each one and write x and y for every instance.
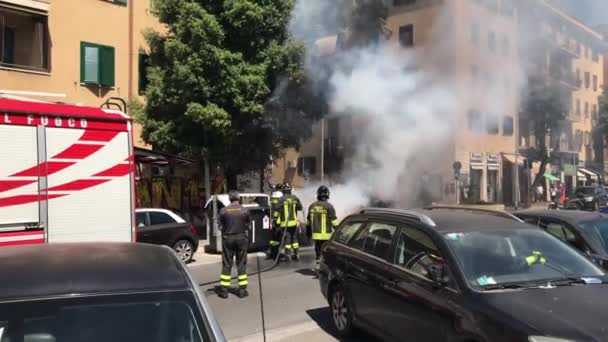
(437, 275)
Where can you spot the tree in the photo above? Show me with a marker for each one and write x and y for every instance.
(546, 105)
(600, 132)
(211, 78)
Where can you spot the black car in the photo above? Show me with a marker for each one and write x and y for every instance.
(164, 227)
(99, 292)
(586, 231)
(588, 197)
(456, 275)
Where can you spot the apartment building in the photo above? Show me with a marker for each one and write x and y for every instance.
(462, 42)
(571, 53)
(74, 51)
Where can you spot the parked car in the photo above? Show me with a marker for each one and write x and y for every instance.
(164, 227)
(99, 292)
(459, 275)
(588, 198)
(585, 231)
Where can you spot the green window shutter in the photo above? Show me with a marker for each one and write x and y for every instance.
(144, 63)
(107, 66)
(89, 63)
(122, 2)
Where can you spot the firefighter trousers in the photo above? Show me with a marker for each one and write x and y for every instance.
(291, 240)
(275, 241)
(234, 246)
(318, 245)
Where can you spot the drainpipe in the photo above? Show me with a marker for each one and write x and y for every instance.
(130, 54)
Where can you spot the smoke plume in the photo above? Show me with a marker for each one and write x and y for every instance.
(409, 104)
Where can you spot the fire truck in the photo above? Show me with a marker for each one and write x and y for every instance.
(66, 174)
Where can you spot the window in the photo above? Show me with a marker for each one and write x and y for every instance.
(475, 121)
(594, 111)
(375, 240)
(586, 109)
(578, 107)
(561, 231)
(475, 34)
(587, 80)
(594, 82)
(346, 232)
(595, 56)
(530, 219)
(142, 218)
(416, 252)
(160, 218)
(579, 80)
(492, 41)
(505, 46)
(96, 64)
(144, 63)
(403, 2)
(507, 125)
(307, 166)
(491, 124)
(406, 35)
(24, 40)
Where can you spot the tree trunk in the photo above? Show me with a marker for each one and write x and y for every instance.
(541, 172)
(231, 179)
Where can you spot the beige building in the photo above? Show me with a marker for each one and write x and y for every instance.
(73, 51)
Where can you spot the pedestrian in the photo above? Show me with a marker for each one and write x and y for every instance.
(322, 221)
(290, 205)
(235, 222)
(276, 233)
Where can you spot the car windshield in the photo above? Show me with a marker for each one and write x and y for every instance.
(517, 256)
(584, 191)
(133, 318)
(597, 232)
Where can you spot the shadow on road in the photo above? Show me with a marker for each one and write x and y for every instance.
(322, 316)
(307, 272)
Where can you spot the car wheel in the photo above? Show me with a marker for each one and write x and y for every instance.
(184, 250)
(340, 312)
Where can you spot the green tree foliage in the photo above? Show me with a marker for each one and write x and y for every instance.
(546, 106)
(212, 75)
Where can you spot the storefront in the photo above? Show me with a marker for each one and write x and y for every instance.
(493, 167)
(476, 172)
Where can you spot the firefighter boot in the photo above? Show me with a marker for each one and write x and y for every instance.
(295, 256)
(242, 293)
(222, 292)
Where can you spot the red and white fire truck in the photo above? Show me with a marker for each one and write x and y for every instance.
(66, 174)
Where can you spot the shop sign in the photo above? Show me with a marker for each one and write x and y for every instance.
(476, 158)
(492, 158)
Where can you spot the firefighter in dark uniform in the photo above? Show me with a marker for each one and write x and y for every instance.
(277, 231)
(322, 221)
(235, 222)
(290, 205)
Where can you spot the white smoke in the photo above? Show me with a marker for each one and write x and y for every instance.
(410, 105)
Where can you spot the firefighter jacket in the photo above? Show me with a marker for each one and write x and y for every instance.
(275, 205)
(322, 220)
(234, 219)
(289, 206)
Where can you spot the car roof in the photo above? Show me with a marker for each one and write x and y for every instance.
(566, 215)
(450, 220)
(54, 270)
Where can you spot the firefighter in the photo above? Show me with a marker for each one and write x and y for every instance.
(322, 221)
(290, 205)
(276, 234)
(235, 222)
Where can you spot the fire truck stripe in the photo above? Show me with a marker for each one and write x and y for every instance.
(46, 168)
(25, 199)
(78, 151)
(6, 185)
(102, 136)
(22, 242)
(115, 171)
(79, 184)
(30, 234)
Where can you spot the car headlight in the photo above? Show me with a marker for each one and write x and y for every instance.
(547, 339)
(588, 199)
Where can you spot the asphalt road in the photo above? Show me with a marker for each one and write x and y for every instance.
(294, 308)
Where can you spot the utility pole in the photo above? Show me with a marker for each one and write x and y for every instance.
(323, 151)
(516, 166)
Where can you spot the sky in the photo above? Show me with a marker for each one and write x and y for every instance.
(592, 12)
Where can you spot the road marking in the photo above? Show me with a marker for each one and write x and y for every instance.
(281, 334)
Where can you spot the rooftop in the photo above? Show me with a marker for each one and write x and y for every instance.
(89, 268)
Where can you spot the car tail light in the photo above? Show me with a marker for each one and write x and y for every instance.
(193, 229)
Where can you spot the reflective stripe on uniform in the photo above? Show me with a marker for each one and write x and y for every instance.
(321, 236)
(323, 223)
(225, 280)
(243, 280)
(335, 223)
(274, 243)
(287, 246)
(295, 245)
(536, 257)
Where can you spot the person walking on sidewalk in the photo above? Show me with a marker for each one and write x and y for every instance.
(290, 206)
(235, 222)
(322, 221)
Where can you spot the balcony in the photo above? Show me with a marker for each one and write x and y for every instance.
(565, 77)
(24, 40)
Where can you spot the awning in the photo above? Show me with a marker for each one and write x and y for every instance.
(32, 6)
(550, 177)
(591, 174)
(581, 176)
(511, 159)
(144, 156)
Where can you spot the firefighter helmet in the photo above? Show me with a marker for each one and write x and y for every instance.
(286, 189)
(323, 193)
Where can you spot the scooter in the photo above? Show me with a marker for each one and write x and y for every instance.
(554, 201)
